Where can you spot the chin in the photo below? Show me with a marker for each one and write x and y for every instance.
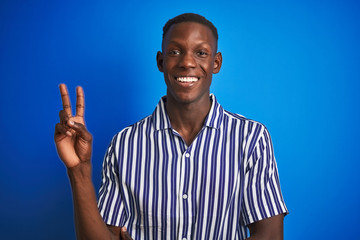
(185, 98)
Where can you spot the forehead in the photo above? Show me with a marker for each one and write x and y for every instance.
(190, 32)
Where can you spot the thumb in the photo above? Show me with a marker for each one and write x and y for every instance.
(124, 234)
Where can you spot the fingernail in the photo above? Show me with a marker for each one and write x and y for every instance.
(71, 122)
(68, 133)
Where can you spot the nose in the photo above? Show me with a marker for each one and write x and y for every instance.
(187, 61)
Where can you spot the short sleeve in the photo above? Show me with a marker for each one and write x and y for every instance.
(262, 193)
(110, 203)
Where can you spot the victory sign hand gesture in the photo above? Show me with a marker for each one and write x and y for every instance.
(73, 141)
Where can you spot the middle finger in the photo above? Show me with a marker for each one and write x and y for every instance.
(65, 99)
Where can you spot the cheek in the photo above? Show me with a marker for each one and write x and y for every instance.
(206, 67)
(170, 62)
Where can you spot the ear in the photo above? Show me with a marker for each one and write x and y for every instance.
(217, 63)
(160, 61)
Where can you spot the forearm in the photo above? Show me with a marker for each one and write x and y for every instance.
(88, 222)
(267, 229)
(264, 238)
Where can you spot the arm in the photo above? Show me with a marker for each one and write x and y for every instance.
(74, 147)
(264, 207)
(267, 229)
(88, 222)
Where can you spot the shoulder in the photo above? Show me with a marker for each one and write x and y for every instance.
(250, 134)
(127, 138)
(247, 123)
(145, 127)
(145, 123)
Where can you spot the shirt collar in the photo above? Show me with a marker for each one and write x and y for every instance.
(161, 119)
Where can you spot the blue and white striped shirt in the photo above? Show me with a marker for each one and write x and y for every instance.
(160, 188)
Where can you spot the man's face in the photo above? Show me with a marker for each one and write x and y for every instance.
(188, 61)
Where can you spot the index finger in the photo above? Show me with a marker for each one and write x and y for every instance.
(65, 99)
(80, 102)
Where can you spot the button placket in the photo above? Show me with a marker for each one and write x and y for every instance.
(184, 204)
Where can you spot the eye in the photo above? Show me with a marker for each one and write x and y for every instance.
(202, 53)
(174, 52)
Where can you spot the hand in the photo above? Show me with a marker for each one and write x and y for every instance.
(73, 141)
(124, 235)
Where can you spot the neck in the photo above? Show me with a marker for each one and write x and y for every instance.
(188, 118)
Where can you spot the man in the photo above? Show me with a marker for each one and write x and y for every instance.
(191, 170)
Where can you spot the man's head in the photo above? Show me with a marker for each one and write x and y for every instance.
(190, 17)
(189, 57)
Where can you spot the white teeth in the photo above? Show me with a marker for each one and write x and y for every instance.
(187, 79)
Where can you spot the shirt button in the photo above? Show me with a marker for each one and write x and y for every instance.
(187, 155)
(185, 196)
(184, 239)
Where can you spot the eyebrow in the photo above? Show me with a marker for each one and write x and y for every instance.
(197, 44)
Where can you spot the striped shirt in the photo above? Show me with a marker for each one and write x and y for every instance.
(160, 188)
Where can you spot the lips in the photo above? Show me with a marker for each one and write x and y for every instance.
(187, 79)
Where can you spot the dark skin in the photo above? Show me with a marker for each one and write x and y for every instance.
(188, 59)
(189, 50)
(74, 147)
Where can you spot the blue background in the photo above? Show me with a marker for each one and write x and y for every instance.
(292, 65)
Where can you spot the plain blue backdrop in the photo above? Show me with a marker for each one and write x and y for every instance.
(292, 65)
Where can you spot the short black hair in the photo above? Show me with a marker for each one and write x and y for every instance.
(190, 17)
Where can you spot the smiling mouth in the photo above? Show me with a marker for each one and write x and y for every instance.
(187, 79)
